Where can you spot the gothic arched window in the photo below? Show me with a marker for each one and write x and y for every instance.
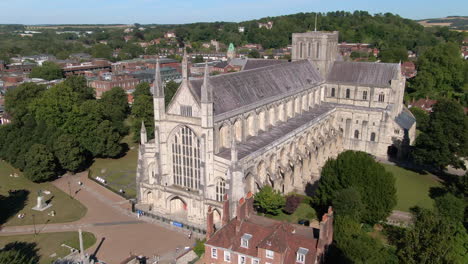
(333, 92)
(186, 158)
(220, 189)
(348, 93)
(372, 137)
(356, 133)
(364, 95)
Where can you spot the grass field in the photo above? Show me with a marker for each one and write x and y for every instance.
(50, 243)
(119, 173)
(304, 211)
(66, 208)
(412, 188)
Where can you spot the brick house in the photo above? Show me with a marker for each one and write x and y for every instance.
(125, 81)
(252, 239)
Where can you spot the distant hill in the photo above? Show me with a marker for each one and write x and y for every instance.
(453, 22)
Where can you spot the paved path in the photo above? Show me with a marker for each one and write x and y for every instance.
(118, 231)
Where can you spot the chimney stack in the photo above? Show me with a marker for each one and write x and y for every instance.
(209, 223)
(226, 214)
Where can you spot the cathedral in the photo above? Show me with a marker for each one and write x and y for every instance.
(274, 124)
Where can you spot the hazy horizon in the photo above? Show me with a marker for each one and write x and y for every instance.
(55, 12)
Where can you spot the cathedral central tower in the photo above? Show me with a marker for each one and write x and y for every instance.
(318, 46)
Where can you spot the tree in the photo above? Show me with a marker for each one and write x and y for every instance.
(433, 239)
(198, 59)
(394, 55)
(355, 246)
(40, 164)
(48, 71)
(269, 201)
(170, 90)
(254, 54)
(142, 110)
(292, 202)
(79, 85)
(19, 253)
(101, 51)
(347, 202)
(360, 171)
(450, 206)
(445, 142)
(422, 118)
(441, 73)
(17, 100)
(69, 152)
(115, 106)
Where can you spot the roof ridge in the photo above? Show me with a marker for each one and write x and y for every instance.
(257, 69)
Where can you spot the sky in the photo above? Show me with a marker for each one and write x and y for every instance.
(189, 11)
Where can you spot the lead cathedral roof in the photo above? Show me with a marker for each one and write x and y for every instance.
(235, 90)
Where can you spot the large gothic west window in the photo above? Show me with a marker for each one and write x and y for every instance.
(186, 158)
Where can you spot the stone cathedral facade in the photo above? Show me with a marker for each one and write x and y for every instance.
(271, 125)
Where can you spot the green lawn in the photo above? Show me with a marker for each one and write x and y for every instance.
(304, 211)
(119, 173)
(50, 243)
(412, 188)
(66, 208)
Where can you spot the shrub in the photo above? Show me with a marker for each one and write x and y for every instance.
(292, 202)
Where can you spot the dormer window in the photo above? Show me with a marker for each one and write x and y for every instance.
(301, 254)
(269, 254)
(245, 240)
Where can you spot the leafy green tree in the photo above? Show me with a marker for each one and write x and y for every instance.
(394, 55)
(79, 85)
(101, 51)
(347, 202)
(441, 73)
(55, 105)
(69, 152)
(170, 90)
(254, 54)
(356, 246)
(422, 118)
(40, 164)
(48, 71)
(269, 201)
(198, 59)
(361, 172)
(115, 106)
(142, 110)
(445, 142)
(105, 140)
(433, 239)
(451, 207)
(19, 253)
(17, 100)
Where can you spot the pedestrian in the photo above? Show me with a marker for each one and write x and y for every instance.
(190, 235)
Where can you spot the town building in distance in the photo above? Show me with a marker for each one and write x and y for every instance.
(272, 124)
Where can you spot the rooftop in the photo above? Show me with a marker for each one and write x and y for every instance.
(234, 90)
(277, 132)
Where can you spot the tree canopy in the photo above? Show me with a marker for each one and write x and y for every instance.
(62, 128)
(47, 71)
(358, 170)
(269, 201)
(445, 141)
(442, 72)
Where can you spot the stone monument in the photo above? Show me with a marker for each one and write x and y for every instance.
(41, 203)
